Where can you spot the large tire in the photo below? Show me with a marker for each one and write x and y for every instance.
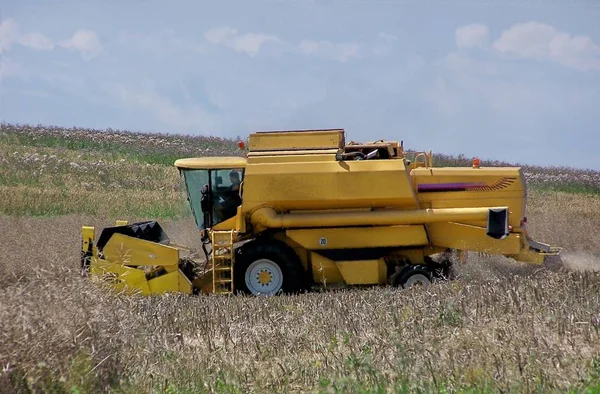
(268, 267)
(413, 275)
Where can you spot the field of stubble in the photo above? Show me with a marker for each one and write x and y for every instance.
(501, 327)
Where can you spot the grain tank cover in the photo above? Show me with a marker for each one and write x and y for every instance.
(296, 140)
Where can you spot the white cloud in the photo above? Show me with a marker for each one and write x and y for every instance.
(534, 40)
(36, 41)
(85, 42)
(471, 36)
(161, 43)
(249, 43)
(9, 33)
(341, 52)
(190, 118)
(459, 62)
(384, 44)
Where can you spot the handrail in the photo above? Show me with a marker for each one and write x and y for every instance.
(427, 160)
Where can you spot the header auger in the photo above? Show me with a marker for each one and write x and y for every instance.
(305, 208)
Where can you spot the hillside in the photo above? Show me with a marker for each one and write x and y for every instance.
(49, 171)
(502, 326)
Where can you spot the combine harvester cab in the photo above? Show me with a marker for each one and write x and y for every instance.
(305, 208)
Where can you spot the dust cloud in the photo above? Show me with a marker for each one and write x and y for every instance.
(580, 261)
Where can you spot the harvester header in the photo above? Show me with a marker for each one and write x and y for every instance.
(305, 208)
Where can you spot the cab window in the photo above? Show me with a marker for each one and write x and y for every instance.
(226, 193)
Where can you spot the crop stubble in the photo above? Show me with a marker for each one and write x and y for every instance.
(501, 326)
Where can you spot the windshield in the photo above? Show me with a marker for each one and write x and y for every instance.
(222, 194)
(194, 180)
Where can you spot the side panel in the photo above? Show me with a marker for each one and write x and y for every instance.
(468, 187)
(363, 272)
(329, 185)
(171, 282)
(467, 237)
(296, 139)
(325, 271)
(359, 237)
(137, 252)
(122, 278)
(119, 277)
(356, 272)
(304, 158)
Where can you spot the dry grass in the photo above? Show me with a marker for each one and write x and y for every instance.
(501, 327)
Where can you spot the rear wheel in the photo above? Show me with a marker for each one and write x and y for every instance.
(413, 275)
(268, 268)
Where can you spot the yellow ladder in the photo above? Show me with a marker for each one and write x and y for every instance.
(223, 257)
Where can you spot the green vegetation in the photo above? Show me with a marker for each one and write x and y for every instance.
(52, 171)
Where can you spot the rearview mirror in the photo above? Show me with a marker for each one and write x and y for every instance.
(219, 180)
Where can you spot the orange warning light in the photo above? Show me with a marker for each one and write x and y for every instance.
(476, 163)
(241, 145)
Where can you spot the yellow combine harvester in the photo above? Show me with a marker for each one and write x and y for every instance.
(305, 208)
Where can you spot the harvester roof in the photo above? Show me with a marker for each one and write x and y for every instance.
(206, 163)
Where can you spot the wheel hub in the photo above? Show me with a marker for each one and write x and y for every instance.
(264, 276)
(417, 280)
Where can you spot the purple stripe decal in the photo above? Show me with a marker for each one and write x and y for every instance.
(449, 186)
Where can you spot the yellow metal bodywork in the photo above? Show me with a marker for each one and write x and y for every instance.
(131, 279)
(374, 237)
(269, 218)
(350, 272)
(297, 140)
(363, 272)
(467, 237)
(328, 185)
(507, 187)
(303, 188)
(135, 265)
(211, 162)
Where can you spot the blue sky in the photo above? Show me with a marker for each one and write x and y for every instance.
(511, 80)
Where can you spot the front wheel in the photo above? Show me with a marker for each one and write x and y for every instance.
(268, 268)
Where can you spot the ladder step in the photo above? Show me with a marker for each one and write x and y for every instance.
(223, 257)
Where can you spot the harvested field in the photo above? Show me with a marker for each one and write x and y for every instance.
(500, 327)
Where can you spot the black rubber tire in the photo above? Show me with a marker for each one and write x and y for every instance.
(409, 271)
(278, 252)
